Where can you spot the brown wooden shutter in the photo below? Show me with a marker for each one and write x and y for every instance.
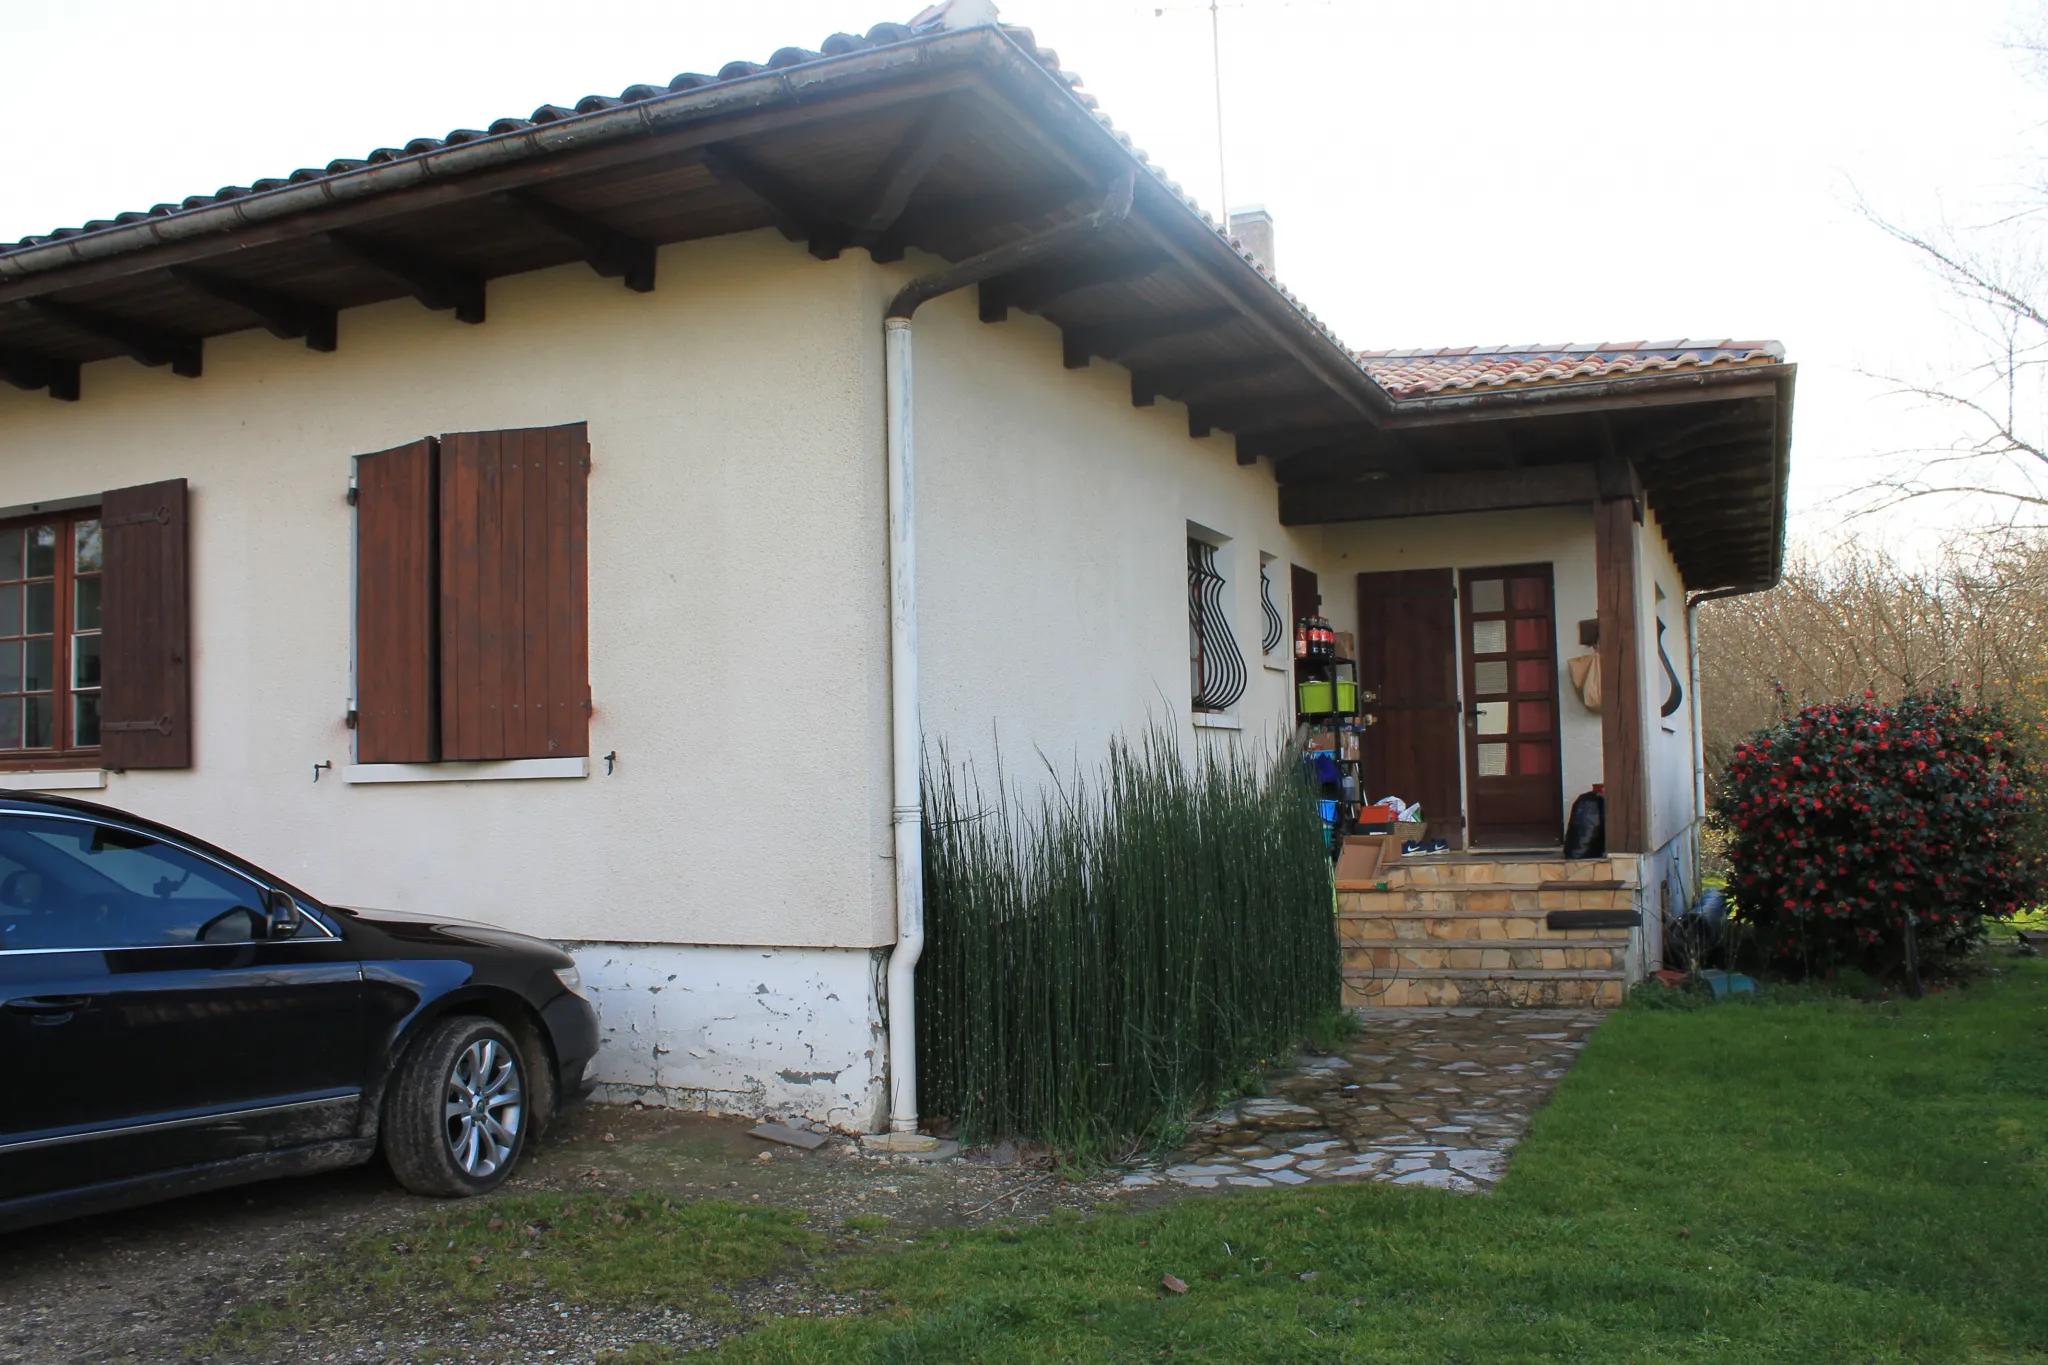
(146, 695)
(396, 712)
(515, 666)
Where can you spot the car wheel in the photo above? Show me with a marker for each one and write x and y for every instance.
(456, 1120)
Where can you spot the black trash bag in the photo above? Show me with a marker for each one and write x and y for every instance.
(1585, 834)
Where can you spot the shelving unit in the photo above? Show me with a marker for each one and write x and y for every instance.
(1339, 720)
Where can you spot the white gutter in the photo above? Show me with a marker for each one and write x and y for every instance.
(905, 735)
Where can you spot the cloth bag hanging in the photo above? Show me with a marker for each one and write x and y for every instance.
(1586, 680)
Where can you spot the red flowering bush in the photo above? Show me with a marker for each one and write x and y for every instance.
(1850, 816)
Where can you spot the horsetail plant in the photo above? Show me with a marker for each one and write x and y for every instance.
(1106, 957)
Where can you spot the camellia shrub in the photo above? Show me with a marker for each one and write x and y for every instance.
(1850, 820)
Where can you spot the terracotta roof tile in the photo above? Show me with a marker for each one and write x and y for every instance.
(1403, 374)
(1425, 374)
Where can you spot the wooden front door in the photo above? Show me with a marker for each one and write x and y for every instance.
(1510, 657)
(1408, 656)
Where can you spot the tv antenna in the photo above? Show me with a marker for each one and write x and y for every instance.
(1216, 8)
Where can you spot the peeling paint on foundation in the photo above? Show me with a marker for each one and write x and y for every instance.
(765, 1032)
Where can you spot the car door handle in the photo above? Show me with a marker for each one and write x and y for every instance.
(48, 1009)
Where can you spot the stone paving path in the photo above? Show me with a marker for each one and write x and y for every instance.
(1420, 1097)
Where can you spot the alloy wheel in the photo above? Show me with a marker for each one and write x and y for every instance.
(484, 1107)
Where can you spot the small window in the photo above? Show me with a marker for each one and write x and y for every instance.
(50, 635)
(1275, 633)
(1215, 665)
(69, 884)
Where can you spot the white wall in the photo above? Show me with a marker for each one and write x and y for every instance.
(1052, 564)
(1667, 743)
(769, 1032)
(1559, 536)
(738, 641)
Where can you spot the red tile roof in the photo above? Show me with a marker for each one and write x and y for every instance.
(1425, 374)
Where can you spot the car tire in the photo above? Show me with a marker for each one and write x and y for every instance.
(459, 1110)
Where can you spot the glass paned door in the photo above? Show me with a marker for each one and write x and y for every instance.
(1511, 733)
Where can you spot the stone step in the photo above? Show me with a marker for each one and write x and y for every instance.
(1493, 900)
(1483, 974)
(1494, 957)
(1455, 928)
(1605, 872)
(1451, 990)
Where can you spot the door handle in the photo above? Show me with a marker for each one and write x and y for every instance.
(48, 1009)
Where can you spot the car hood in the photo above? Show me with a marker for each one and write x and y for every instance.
(412, 924)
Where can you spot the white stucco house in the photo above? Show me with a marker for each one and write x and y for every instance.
(577, 523)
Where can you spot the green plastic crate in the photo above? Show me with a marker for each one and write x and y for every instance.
(1315, 697)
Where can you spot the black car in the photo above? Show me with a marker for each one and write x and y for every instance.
(173, 1018)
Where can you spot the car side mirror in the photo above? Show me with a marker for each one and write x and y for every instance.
(281, 917)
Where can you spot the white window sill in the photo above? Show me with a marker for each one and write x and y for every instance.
(498, 770)
(58, 780)
(1216, 720)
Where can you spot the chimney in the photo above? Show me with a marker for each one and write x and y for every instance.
(1253, 226)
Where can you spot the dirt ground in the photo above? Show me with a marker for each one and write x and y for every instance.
(153, 1284)
(1419, 1097)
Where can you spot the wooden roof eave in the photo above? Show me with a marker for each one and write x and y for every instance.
(452, 174)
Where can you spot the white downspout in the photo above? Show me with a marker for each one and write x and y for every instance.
(907, 798)
(905, 736)
(1699, 744)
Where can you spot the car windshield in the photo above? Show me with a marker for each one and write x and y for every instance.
(70, 884)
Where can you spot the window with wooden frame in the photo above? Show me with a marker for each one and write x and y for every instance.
(50, 635)
(472, 639)
(93, 629)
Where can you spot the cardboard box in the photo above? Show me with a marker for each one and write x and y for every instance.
(1359, 860)
(1347, 645)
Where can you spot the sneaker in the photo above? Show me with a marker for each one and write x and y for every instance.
(1439, 846)
(1414, 846)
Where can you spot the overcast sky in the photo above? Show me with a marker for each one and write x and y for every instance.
(1441, 174)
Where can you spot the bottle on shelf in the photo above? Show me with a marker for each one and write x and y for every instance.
(1301, 637)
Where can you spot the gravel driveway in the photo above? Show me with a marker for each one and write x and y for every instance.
(153, 1284)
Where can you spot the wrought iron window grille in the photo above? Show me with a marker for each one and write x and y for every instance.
(1215, 664)
(1276, 628)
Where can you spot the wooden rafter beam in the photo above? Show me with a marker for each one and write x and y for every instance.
(435, 284)
(284, 317)
(945, 223)
(137, 340)
(886, 196)
(612, 254)
(27, 370)
(788, 208)
(1282, 441)
(1234, 413)
(1427, 495)
(1114, 340)
(1185, 382)
(1041, 285)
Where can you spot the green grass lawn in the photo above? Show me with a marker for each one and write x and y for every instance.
(1804, 1180)
(1812, 1181)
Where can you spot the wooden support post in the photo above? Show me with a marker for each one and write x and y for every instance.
(1621, 684)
